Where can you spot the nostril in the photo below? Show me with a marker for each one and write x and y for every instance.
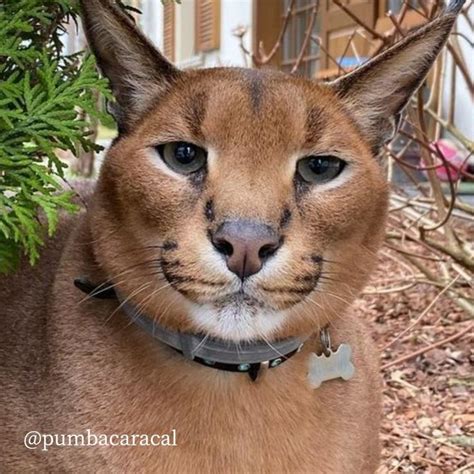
(268, 250)
(223, 246)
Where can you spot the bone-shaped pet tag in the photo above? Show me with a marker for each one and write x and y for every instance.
(329, 366)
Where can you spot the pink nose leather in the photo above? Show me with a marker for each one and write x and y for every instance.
(245, 245)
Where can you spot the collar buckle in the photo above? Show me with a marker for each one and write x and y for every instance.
(258, 371)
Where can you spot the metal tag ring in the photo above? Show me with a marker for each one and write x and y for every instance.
(325, 341)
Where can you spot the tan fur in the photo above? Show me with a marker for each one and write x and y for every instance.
(110, 377)
(69, 365)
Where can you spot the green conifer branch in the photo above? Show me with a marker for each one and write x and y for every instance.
(41, 94)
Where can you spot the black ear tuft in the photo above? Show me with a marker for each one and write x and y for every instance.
(137, 71)
(455, 6)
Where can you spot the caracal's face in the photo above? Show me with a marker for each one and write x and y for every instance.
(245, 205)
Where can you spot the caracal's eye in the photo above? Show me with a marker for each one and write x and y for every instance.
(320, 169)
(183, 157)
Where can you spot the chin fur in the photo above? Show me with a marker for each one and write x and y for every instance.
(237, 321)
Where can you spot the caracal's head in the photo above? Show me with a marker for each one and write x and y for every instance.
(245, 203)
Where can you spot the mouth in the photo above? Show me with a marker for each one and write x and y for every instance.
(245, 298)
(237, 317)
(239, 298)
(249, 295)
(239, 310)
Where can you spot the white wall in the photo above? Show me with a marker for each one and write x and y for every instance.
(151, 21)
(234, 13)
(185, 31)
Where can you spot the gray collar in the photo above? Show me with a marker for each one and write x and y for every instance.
(216, 350)
(246, 357)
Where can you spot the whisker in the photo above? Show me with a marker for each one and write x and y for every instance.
(128, 269)
(270, 345)
(128, 298)
(333, 312)
(96, 291)
(324, 311)
(326, 272)
(334, 295)
(142, 304)
(99, 289)
(333, 261)
(104, 237)
(165, 311)
(102, 287)
(203, 341)
(147, 262)
(137, 250)
(323, 277)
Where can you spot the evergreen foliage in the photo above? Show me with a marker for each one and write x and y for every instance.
(42, 92)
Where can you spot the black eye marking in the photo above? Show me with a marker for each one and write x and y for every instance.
(317, 259)
(256, 92)
(314, 124)
(301, 188)
(195, 112)
(198, 179)
(169, 245)
(285, 218)
(254, 85)
(209, 210)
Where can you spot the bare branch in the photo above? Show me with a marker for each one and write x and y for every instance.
(430, 347)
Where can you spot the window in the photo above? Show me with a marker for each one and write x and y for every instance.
(344, 43)
(395, 6)
(294, 38)
(411, 19)
(207, 25)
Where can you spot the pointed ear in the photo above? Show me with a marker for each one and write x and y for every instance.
(138, 73)
(376, 93)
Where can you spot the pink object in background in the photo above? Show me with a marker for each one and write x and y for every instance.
(452, 156)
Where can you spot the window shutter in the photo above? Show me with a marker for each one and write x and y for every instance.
(207, 25)
(168, 30)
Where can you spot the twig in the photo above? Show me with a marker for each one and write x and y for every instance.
(384, 291)
(314, 12)
(423, 313)
(364, 25)
(463, 258)
(395, 23)
(468, 144)
(430, 347)
(417, 255)
(319, 42)
(348, 45)
(445, 219)
(266, 59)
(461, 65)
(436, 150)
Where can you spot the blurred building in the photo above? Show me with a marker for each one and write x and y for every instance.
(204, 33)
